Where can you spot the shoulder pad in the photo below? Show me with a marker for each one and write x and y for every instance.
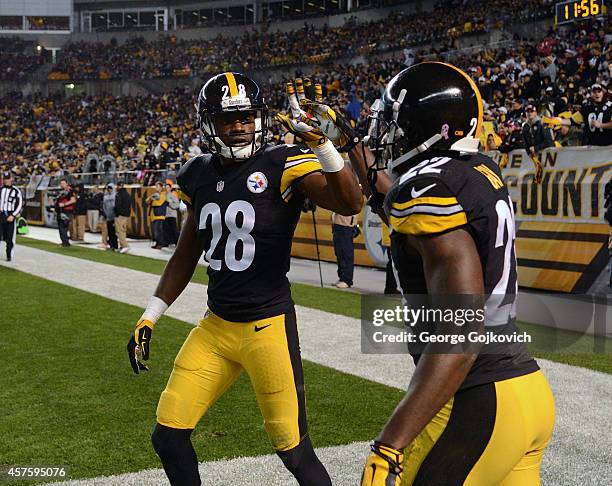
(188, 176)
(424, 202)
(298, 161)
(280, 153)
(193, 164)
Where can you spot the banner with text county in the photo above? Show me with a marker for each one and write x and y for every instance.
(562, 237)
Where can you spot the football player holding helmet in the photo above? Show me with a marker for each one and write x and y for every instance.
(483, 415)
(244, 200)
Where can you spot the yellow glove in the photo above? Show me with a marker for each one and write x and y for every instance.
(138, 346)
(309, 136)
(300, 122)
(329, 121)
(383, 466)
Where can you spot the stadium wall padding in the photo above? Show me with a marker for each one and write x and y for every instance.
(562, 237)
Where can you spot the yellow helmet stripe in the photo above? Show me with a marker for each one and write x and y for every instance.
(231, 82)
(478, 97)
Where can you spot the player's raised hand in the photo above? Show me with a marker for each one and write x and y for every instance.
(138, 346)
(298, 122)
(328, 120)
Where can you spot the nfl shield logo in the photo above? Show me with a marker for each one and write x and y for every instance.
(220, 185)
(257, 182)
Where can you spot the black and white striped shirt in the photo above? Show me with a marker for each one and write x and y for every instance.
(11, 201)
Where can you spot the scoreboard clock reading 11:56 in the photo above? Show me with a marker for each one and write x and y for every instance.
(574, 10)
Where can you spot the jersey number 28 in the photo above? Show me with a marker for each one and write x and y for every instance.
(210, 217)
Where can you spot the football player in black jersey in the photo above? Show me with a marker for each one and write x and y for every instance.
(486, 415)
(244, 201)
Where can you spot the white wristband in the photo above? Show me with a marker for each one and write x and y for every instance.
(329, 157)
(154, 310)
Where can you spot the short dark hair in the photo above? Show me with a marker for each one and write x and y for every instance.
(64, 179)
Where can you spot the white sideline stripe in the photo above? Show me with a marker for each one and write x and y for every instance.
(343, 463)
(580, 452)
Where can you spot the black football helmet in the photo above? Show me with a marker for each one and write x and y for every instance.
(428, 105)
(229, 92)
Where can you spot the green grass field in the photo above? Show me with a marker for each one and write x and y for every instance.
(73, 399)
(553, 344)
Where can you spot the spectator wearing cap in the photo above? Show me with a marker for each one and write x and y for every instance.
(516, 110)
(535, 135)
(597, 118)
(513, 139)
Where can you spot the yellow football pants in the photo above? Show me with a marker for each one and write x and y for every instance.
(213, 356)
(488, 435)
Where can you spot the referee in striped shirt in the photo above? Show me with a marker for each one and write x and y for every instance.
(11, 203)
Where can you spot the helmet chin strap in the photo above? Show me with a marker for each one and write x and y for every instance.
(415, 151)
(396, 108)
(236, 153)
(464, 145)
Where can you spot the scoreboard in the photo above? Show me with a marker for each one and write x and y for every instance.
(566, 12)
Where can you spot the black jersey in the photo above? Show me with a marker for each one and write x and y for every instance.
(597, 111)
(246, 214)
(446, 192)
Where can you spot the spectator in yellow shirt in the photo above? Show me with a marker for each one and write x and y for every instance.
(157, 212)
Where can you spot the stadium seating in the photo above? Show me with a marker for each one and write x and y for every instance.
(552, 72)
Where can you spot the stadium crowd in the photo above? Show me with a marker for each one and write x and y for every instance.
(547, 81)
(18, 59)
(54, 136)
(552, 76)
(169, 56)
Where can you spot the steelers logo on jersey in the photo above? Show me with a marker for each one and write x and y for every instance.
(257, 182)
